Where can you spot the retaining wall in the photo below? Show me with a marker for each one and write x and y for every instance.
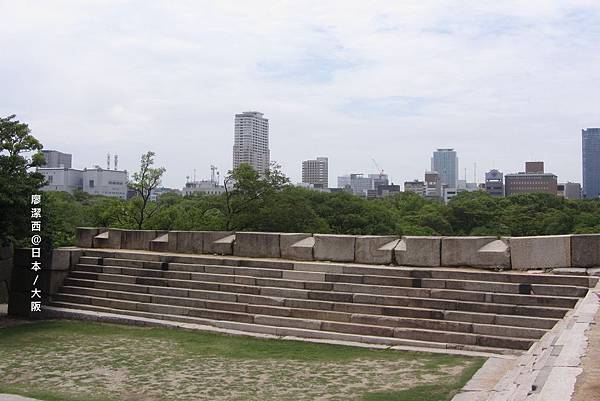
(6, 267)
(579, 253)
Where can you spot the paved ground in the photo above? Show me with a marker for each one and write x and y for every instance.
(587, 387)
(10, 397)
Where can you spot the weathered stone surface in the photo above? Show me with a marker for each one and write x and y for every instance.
(540, 252)
(209, 237)
(61, 259)
(418, 251)
(110, 239)
(375, 249)
(585, 250)
(84, 236)
(257, 245)
(336, 248)
(186, 241)
(302, 249)
(160, 243)
(138, 239)
(485, 252)
(223, 246)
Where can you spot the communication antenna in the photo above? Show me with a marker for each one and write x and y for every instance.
(116, 161)
(475, 172)
(213, 169)
(194, 175)
(108, 161)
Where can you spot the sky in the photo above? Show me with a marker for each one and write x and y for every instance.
(352, 80)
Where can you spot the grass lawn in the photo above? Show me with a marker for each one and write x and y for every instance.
(74, 360)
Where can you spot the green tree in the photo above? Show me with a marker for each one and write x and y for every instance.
(143, 183)
(245, 190)
(19, 154)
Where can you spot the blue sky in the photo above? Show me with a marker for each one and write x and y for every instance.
(501, 82)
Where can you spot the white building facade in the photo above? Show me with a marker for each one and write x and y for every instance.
(316, 172)
(98, 181)
(445, 162)
(251, 141)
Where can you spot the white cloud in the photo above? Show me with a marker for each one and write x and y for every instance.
(502, 82)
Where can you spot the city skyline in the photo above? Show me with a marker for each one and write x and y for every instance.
(385, 81)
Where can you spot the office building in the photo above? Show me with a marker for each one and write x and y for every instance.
(251, 141)
(99, 181)
(316, 172)
(448, 193)
(534, 167)
(524, 182)
(494, 183)
(56, 159)
(61, 179)
(569, 190)
(415, 186)
(433, 185)
(445, 162)
(203, 187)
(356, 183)
(590, 157)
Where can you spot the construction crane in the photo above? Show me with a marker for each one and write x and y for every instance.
(379, 169)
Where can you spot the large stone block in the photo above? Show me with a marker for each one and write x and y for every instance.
(287, 240)
(541, 252)
(296, 246)
(375, 249)
(484, 252)
(139, 239)
(418, 251)
(61, 259)
(160, 243)
(84, 236)
(257, 245)
(585, 250)
(110, 239)
(186, 241)
(6, 252)
(210, 237)
(6, 266)
(336, 248)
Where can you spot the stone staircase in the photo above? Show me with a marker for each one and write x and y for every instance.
(449, 308)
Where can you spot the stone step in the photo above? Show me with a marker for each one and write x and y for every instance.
(296, 312)
(294, 279)
(310, 324)
(417, 272)
(355, 304)
(286, 332)
(90, 260)
(333, 290)
(347, 308)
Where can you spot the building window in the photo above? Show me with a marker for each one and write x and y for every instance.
(91, 183)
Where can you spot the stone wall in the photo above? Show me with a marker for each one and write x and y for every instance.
(6, 266)
(55, 267)
(574, 254)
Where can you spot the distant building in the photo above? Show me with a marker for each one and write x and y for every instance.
(98, 181)
(415, 186)
(383, 190)
(445, 162)
(494, 183)
(379, 180)
(158, 192)
(356, 183)
(449, 193)
(569, 190)
(204, 187)
(534, 167)
(464, 186)
(316, 172)
(56, 159)
(433, 185)
(532, 182)
(62, 179)
(251, 141)
(590, 152)
(94, 181)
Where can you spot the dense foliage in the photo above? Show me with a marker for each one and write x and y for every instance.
(271, 204)
(19, 154)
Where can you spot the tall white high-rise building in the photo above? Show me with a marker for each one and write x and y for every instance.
(316, 172)
(251, 141)
(445, 162)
